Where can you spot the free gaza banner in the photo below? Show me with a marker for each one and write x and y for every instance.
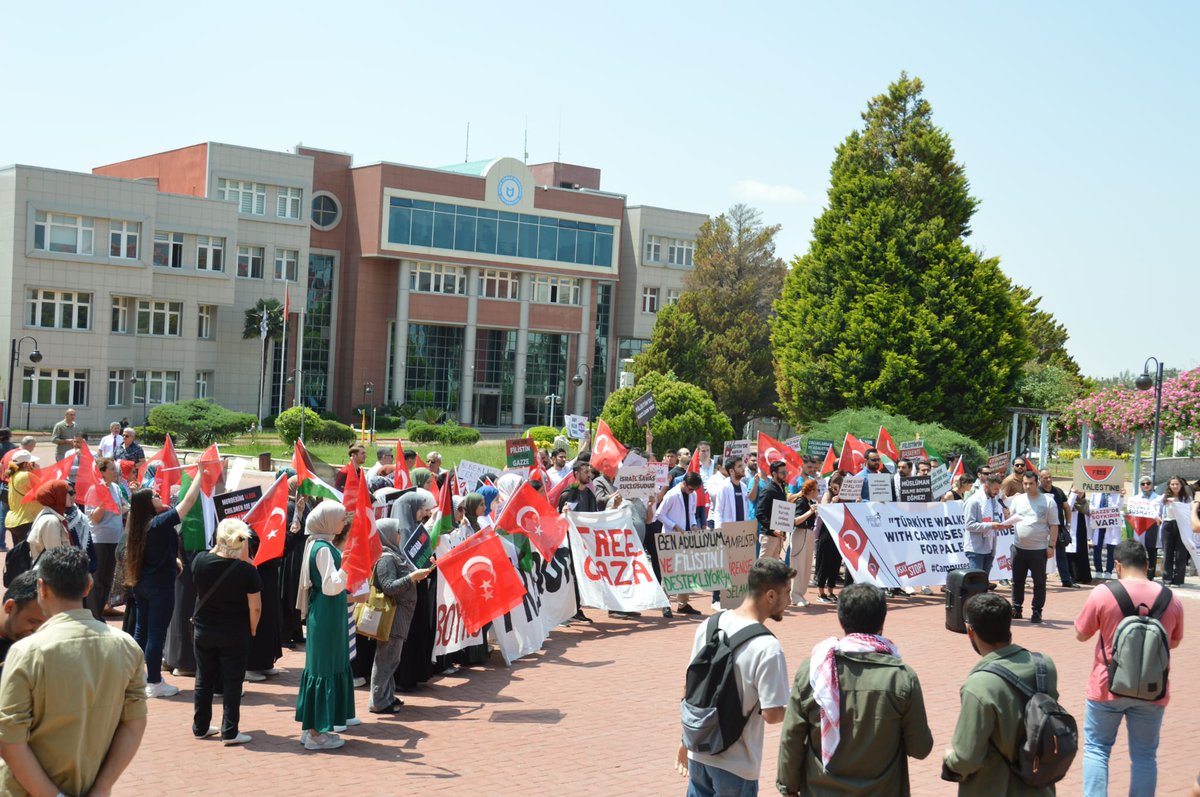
(610, 563)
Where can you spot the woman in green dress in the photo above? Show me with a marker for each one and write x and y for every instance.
(326, 697)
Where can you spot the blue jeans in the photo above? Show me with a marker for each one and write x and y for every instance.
(1142, 723)
(981, 561)
(155, 603)
(709, 781)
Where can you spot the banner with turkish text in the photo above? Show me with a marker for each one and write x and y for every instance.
(610, 563)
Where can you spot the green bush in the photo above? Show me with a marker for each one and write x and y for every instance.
(447, 433)
(198, 423)
(405, 411)
(287, 424)
(1108, 453)
(866, 423)
(388, 423)
(421, 432)
(326, 415)
(686, 414)
(269, 421)
(151, 435)
(547, 433)
(334, 432)
(429, 415)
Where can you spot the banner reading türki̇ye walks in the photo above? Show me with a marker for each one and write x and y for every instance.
(610, 563)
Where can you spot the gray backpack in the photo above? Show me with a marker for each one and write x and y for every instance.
(1141, 649)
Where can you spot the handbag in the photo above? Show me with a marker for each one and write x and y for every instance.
(373, 617)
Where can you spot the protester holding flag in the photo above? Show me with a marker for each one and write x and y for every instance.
(326, 696)
(21, 513)
(151, 564)
(106, 533)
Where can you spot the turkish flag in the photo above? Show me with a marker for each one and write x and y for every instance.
(829, 464)
(852, 540)
(886, 446)
(854, 455)
(528, 513)
(482, 578)
(401, 478)
(555, 492)
(363, 547)
(168, 473)
(701, 493)
(607, 453)
(771, 450)
(59, 470)
(420, 462)
(959, 470)
(90, 484)
(209, 469)
(268, 518)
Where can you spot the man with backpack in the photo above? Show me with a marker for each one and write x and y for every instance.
(736, 683)
(1139, 622)
(993, 731)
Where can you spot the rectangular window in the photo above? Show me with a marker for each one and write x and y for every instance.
(250, 197)
(204, 381)
(555, 290)
(432, 278)
(168, 249)
(653, 249)
(286, 262)
(58, 232)
(55, 387)
(163, 386)
(672, 296)
(250, 262)
(58, 309)
(210, 253)
(287, 202)
(433, 377)
(117, 383)
(649, 300)
(208, 322)
(679, 253)
(158, 318)
(496, 284)
(123, 239)
(121, 308)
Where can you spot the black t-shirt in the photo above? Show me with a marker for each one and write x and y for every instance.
(162, 547)
(226, 611)
(802, 506)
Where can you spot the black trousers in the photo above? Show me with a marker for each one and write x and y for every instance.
(829, 561)
(1151, 540)
(102, 579)
(1175, 555)
(220, 659)
(1025, 564)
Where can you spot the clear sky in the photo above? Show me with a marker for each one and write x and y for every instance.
(1076, 121)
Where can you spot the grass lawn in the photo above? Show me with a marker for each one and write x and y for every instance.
(488, 452)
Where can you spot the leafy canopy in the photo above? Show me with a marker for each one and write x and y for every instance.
(685, 416)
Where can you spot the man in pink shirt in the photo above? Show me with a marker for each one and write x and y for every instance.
(1104, 710)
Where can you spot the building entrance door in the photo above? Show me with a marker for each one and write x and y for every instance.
(487, 409)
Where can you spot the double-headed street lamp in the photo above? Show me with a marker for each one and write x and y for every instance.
(552, 399)
(145, 383)
(1145, 382)
(577, 381)
(35, 357)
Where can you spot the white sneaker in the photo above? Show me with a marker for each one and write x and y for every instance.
(323, 741)
(178, 673)
(272, 671)
(255, 677)
(359, 681)
(161, 689)
(241, 738)
(800, 604)
(926, 591)
(213, 730)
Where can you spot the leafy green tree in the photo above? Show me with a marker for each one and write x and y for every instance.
(197, 423)
(890, 307)
(686, 414)
(716, 336)
(252, 328)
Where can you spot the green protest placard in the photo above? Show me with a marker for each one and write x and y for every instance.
(519, 453)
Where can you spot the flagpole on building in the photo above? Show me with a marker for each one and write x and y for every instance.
(283, 353)
(262, 368)
(299, 369)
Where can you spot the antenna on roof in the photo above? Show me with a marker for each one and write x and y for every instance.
(467, 151)
(526, 147)
(559, 158)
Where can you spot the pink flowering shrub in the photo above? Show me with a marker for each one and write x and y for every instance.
(1124, 409)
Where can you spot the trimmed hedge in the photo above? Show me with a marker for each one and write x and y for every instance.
(445, 433)
(198, 423)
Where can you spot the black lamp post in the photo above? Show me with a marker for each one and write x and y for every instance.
(35, 357)
(1145, 382)
(368, 402)
(145, 383)
(577, 381)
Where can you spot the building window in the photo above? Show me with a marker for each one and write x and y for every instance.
(431, 278)
(58, 309)
(163, 385)
(208, 322)
(250, 197)
(58, 232)
(121, 308)
(653, 249)
(545, 375)
(495, 376)
(168, 249)
(210, 253)
(286, 262)
(433, 375)
(204, 384)
(55, 387)
(325, 211)
(287, 202)
(628, 348)
(649, 300)
(117, 381)
(123, 239)
(601, 346)
(555, 290)
(672, 296)
(495, 284)
(679, 253)
(318, 331)
(158, 318)
(250, 262)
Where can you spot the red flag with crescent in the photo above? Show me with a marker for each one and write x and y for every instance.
(852, 540)
(854, 455)
(607, 453)
(528, 513)
(268, 518)
(401, 478)
(363, 547)
(482, 578)
(771, 450)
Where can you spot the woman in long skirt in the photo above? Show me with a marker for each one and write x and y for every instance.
(326, 697)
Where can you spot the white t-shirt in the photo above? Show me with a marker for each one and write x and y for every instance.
(1036, 515)
(763, 680)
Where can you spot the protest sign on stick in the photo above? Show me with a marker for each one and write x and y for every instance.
(1099, 475)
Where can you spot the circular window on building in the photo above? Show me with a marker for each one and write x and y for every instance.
(326, 212)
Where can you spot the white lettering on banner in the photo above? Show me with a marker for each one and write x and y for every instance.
(740, 539)
(637, 481)
(879, 487)
(450, 630)
(783, 516)
(610, 563)
(693, 561)
(1143, 507)
(549, 600)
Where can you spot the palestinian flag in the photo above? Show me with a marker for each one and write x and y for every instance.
(931, 454)
(198, 528)
(443, 521)
(307, 482)
(959, 470)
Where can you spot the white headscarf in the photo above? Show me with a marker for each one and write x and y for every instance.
(323, 524)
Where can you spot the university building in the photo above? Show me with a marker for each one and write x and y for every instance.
(479, 289)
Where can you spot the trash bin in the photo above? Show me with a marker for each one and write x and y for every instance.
(961, 585)
(264, 462)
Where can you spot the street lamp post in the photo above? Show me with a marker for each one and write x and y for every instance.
(577, 380)
(35, 357)
(145, 400)
(1145, 382)
(552, 399)
(368, 389)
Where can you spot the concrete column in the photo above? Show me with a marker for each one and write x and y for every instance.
(583, 351)
(1016, 425)
(400, 335)
(523, 290)
(466, 395)
(1044, 443)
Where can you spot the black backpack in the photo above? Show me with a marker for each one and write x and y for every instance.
(16, 562)
(711, 709)
(1051, 733)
